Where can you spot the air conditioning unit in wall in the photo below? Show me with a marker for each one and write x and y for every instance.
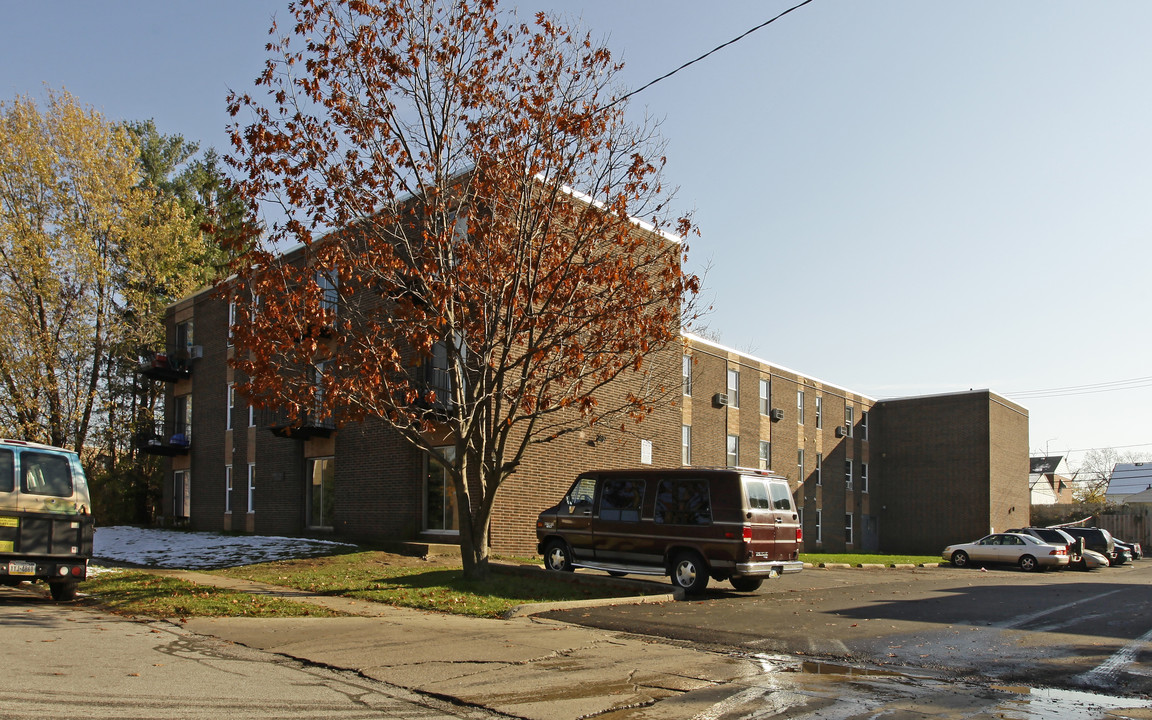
(720, 399)
(776, 414)
(841, 431)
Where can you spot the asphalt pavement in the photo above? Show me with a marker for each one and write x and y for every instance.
(532, 667)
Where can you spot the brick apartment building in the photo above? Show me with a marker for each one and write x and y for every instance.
(897, 475)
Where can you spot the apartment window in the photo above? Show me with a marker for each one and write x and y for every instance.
(848, 474)
(819, 412)
(686, 372)
(819, 468)
(849, 420)
(440, 493)
(765, 455)
(231, 405)
(800, 406)
(321, 492)
(231, 319)
(733, 388)
(251, 487)
(686, 444)
(765, 396)
(864, 477)
(228, 488)
(251, 416)
(182, 422)
(800, 464)
(864, 425)
(184, 336)
(819, 526)
(181, 494)
(733, 451)
(327, 281)
(848, 528)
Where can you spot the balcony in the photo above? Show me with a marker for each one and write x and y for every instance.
(159, 442)
(170, 364)
(305, 428)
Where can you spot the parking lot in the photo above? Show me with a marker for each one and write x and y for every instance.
(1075, 630)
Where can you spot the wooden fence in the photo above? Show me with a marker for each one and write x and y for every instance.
(1130, 524)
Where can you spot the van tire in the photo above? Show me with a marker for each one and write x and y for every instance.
(62, 591)
(746, 584)
(557, 556)
(689, 572)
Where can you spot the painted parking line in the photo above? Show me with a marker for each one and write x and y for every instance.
(1111, 668)
(1020, 620)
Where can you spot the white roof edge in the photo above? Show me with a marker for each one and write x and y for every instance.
(718, 346)
(589, 200)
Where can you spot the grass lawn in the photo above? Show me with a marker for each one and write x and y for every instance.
(869, 559)
(436, 584)
(134, 592)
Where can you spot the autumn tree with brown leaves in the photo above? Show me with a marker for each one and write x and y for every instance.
(489, 259)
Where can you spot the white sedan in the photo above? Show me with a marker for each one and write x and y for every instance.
(1008, 548)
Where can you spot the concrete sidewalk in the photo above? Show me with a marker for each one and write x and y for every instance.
(522, 667)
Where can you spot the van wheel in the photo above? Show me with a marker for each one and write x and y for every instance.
(746, 584)
(556, 556)
(62, 591)
(689, 572)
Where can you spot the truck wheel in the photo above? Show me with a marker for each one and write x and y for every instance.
(556, 556)
(689, 572)
(746, 584)
(62, 591)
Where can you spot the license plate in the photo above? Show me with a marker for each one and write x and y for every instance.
(20, 567)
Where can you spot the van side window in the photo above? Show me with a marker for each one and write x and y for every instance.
(43, 474)
(683, 502)
(781, 497)
(7, 476)
(620, 500)
(582, 492)
(757, 495)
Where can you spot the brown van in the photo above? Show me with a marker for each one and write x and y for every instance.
(731, 524)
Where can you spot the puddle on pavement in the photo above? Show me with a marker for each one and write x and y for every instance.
(846, 691)
(1057, 704)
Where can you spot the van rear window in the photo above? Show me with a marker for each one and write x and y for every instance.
(44, 474)
(7, 476)
(683, 502)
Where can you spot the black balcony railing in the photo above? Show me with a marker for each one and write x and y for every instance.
(170, 364)
(159, 442)
(303, 428)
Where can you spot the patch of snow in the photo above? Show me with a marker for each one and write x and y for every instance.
(178, 549)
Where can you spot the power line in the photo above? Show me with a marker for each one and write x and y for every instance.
(740, 37)
(1130, 384)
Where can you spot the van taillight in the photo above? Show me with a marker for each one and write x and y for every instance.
(747, 534)
(799, 534)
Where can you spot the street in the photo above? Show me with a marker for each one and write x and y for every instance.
(69, 661)
(1072, 630)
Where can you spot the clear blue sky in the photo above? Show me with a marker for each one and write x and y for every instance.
(896, 196)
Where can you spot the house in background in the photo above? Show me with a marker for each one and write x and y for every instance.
(1049, 482)
(1127, 480)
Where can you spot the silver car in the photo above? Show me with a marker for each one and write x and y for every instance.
(1008, 549)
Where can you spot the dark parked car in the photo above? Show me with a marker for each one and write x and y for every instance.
(1133, 549)
(1099, 540)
